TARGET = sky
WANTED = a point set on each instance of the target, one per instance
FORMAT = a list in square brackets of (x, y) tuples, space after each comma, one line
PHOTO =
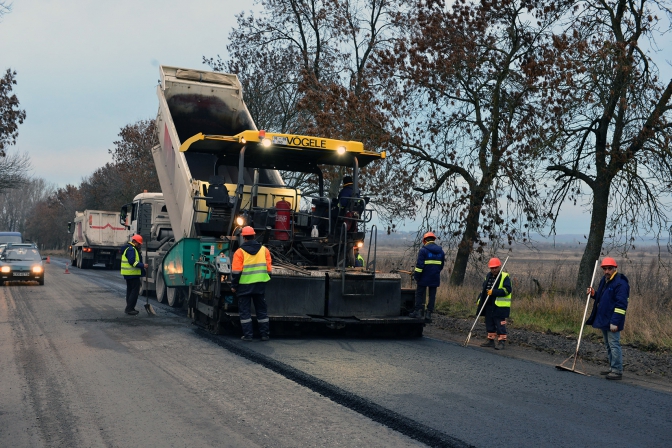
[(86, 68)]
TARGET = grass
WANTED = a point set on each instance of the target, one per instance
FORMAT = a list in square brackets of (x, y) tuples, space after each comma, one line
[(544, 298)]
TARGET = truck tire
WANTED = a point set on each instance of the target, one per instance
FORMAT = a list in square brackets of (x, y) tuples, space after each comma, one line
[(174, 297), (41, 281), (143, 283), (160, 285), (79, 259)]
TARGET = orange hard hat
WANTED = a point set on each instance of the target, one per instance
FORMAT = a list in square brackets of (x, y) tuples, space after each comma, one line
[(494, 263), (137, 239), (608, 261), (428, 235), (247, 231)]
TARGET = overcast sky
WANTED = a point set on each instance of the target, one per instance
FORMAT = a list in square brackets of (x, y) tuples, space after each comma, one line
[(87, 68)]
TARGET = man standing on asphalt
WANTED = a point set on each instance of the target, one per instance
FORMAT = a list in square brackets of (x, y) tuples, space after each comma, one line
[(132, 268), (251, 269), (427, 275), (608, 315), (497, 306)]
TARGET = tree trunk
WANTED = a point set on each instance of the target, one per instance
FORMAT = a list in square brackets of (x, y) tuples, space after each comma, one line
[(466, 245), (598, 222)]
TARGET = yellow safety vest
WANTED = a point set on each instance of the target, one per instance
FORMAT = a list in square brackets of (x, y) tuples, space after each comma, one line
[(503, 302), (126, 268), (254, 268)]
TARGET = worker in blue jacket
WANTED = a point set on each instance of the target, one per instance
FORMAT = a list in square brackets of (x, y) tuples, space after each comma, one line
[(427, 275), (133, 269), (608, 315), (495, 299)]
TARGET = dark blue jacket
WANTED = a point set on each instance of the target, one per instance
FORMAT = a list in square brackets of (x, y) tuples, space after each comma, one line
[(611, 301), (130, 255), (491, 309), (429, 265), (345, 196)]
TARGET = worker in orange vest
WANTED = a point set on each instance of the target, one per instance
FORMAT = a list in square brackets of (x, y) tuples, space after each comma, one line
[(251, 269)]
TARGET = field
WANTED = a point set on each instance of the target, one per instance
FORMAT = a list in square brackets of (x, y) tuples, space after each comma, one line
[(544, 298)]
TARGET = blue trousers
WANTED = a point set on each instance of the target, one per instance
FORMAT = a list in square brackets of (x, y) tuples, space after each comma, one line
[(420, 293), (614, 353), (495, 325), (132, 291), (245, 312)]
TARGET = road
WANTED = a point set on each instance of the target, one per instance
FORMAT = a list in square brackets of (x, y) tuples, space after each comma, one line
[(77, 372)]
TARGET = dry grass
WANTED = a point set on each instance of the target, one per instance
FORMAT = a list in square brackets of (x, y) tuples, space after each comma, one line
[(544, 298)]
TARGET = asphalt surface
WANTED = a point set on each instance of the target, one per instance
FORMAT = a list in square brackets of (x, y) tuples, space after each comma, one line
[(76, 371)]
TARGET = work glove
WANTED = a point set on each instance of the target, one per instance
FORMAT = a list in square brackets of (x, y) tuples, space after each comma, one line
[(489, 292), (613, 328), (590, 291)]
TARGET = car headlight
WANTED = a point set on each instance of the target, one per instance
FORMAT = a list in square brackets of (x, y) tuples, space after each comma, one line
[(5, 269), (37, 269)]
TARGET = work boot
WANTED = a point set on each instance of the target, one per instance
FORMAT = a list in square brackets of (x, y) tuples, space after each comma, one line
[(501, 345), (605, 372), (246, 338), (614, 376), (428, 314), (488, 343), (265, 338), (417, 314), (132, 312)]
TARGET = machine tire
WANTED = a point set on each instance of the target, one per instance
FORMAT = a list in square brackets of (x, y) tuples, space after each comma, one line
[(160, 285), (41, 281), (79, 259), (174, 297), (143, 291)]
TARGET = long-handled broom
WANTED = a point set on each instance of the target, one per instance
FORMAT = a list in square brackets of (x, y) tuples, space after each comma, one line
[(149, 308), (578, 341), (484, 303)]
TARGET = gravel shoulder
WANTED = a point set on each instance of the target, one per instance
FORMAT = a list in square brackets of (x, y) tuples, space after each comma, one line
[(641, 368)]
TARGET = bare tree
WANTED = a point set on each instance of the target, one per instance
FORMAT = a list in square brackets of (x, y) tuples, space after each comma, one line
[(14, 169), (305, 66), (18, 203), (132, 162), (469, 126), (615, 115), (47, 223)]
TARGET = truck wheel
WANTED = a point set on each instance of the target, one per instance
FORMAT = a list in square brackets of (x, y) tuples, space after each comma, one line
[(143, 283), (79, 259), (41, 281), (160, 286), (174, 297)]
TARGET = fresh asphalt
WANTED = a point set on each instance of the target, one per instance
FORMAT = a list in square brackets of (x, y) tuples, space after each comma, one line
[(442, 394)]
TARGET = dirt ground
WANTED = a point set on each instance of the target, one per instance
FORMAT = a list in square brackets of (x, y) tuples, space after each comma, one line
[(642, 368)]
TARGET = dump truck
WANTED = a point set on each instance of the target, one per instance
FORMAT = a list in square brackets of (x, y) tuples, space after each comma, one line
[(219, 173), (97, 238)]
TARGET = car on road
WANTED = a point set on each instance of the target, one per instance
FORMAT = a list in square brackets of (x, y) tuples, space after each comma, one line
[(21, 262)]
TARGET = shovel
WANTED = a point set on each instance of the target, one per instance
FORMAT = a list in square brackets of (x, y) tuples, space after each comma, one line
[(149, 308), (578, 342), (485, 303)]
